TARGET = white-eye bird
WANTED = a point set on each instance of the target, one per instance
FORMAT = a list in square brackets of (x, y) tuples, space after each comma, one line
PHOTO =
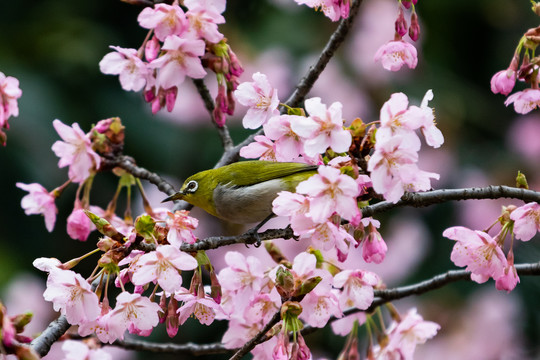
[(242, 192)]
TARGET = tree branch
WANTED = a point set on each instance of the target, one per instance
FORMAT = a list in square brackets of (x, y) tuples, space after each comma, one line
[(42, 344), (423, 199), (254, 341), (223, 131), (189, 348)]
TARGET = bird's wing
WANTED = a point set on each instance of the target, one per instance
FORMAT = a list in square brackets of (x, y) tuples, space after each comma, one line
[(264, 171)]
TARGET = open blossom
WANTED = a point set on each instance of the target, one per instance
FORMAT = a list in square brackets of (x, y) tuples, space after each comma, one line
[(163, 266), (288, 144), (478, 251), (39, 201), (424, 113), (181, 59), (261, 98), (73, 295), (357, 288), (503, 82), (323, 128), (204, 308), (203, 20), (9, 93), (524, 101), (164, 19), (333, 9), (404, 336), (526, 221), (262, 148), (132, 311), (330, 191), (75, 151), (181, 227), (328, 236), (241, 273), (394, 54), (126, 63)]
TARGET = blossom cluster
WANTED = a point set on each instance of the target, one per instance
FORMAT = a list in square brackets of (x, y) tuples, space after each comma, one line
[(182, 44), (9, 93), (397, 52), (333, 9), (524, 67), (483, 255)]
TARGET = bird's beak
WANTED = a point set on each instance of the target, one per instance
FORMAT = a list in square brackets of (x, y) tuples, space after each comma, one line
[(177, 196)]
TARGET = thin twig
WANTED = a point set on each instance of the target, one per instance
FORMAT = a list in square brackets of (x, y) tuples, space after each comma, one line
[(188, 348), (209, 104)]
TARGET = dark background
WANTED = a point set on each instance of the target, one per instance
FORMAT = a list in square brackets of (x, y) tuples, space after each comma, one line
[(53, 47)]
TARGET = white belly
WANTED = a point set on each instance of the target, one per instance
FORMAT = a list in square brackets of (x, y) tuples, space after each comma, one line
[(247, 204)]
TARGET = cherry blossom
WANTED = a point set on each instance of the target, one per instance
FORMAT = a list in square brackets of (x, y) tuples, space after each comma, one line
[(132, 310), (373, 246), (328, 236), (426, 121), (202, 307), (394, 54), (181, 59), (262, 148), (524, 101), (357, 288), (319, 305), (323, 128), (163, 266), (75, 151), (333, 9), (404, 336), (72, 295), (503, 82), (133, 72), (181, 227), (39, 201), (203, 20), (295, 206), (78, 350), (288, 144), (344, 325), (526, 221), (9, 93), (478, 251), (164, 19), (241, 273), (79, 225), (330, 192), (261, 98), (509, 279)]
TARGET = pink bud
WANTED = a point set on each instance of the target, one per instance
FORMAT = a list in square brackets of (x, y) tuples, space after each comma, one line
[(414, 29), (401, 23), (152, 48), (170, 98), (79, 225)]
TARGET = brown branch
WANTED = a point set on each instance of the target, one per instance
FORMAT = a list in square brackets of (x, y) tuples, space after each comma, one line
[(254, 341), (209, 104), (188, 348), (423, 199)]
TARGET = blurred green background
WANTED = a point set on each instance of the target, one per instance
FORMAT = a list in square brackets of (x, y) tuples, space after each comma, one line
[(54, 46)]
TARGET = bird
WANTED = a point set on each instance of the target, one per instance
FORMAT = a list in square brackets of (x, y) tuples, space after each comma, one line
[(242, 192)]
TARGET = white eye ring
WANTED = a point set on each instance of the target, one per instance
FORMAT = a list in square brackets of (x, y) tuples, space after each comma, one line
[(192, 186)]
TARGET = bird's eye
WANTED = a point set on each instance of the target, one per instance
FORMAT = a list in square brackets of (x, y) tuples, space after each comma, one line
[(192, 186)]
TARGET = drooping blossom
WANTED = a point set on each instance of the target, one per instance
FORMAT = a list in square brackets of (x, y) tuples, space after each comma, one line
[(524, 101), (9, 93), (72, 295), (394, 54), (404, 336), (373, 246), (79, 225), (357, 288), (181, 59), (344, 325), (330, 192), (424, 113), (164, 19), (163, 266), (503, 82), (39, 201), (261, 98), (75, 151), (509, 279), (526, 221), (204, 20), (328, 236), (333, 9), (323, 128), (478, 251), (132, 311), (202, 307), (181, 227), (395, 122), (133, 72)]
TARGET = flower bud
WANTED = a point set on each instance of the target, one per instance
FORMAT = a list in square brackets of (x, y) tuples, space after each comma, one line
[(401, 23), (151, 49), (414, 29)]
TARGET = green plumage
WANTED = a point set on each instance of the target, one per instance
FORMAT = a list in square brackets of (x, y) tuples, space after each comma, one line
[(242, 192)]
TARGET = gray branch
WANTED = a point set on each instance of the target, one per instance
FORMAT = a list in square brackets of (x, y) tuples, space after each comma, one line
[(42, 344)]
